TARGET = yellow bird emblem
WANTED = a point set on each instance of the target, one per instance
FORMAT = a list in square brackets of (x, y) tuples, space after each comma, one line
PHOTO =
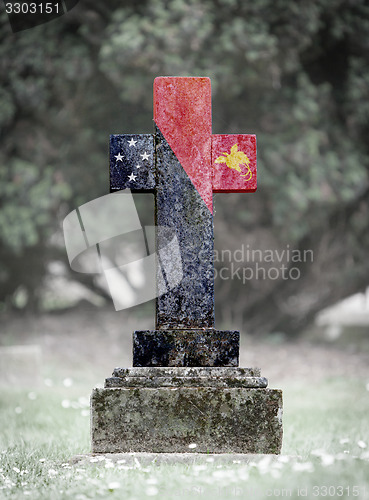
[(234, 160)]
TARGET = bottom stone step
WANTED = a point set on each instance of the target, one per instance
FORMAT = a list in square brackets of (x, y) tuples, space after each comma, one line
[(170, 420)]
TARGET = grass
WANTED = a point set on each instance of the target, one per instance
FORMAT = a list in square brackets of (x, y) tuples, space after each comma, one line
[(325, 451)]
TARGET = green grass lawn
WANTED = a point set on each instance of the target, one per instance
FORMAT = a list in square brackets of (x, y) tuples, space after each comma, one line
[(325, 451)]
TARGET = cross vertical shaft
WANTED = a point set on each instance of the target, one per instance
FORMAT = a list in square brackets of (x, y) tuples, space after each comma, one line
[(182, 114)]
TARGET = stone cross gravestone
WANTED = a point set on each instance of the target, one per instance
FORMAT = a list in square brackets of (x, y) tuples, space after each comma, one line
[(185, 386)]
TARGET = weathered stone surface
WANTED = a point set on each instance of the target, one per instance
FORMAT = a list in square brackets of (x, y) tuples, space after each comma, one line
[(184, 371), (217, 420), (207, 347), (251, 382)]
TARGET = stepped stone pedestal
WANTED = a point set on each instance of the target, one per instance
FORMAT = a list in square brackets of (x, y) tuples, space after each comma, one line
[(220, 410), (166, 409)]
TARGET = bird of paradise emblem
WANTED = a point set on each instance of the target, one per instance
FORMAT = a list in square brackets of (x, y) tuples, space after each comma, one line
[(234, 160)]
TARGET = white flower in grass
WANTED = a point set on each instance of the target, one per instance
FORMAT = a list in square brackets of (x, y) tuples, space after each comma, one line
[(123, 461), (318, 453), (18, 410), (65, 403), (26, 492), (85, 413), (67, 382), (124, 467), (84, 402), (344, 440), (8, 483), (15, 469), (327, 460), (52, 472), (42, 460), (341, 456), (303, 467), (361, 444), (192, 446), (109, 465), (94, 459), (199, 467), (114, 485), (152, 480), (210, 459), (152, 491), (264, 464), (277, 465), (243, 474), (219, 474), (275, 473)]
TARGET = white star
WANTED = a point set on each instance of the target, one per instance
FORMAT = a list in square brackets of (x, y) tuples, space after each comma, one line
[(119, 157), (145, 156), (132, 142), (132, 177), (138, 166)]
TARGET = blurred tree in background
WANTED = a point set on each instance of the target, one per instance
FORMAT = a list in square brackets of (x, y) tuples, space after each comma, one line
[(294, 73)]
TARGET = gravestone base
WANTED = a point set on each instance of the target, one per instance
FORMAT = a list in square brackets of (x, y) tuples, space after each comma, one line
[(186, 347), (166, 410)]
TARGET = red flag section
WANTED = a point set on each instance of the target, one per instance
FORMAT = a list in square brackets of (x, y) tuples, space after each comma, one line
[(182, 111)]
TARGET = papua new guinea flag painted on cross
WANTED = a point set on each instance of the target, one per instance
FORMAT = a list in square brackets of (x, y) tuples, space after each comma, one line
[(187, 165), (182, 113)]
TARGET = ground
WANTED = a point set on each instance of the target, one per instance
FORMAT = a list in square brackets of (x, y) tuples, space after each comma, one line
[(42, 427)]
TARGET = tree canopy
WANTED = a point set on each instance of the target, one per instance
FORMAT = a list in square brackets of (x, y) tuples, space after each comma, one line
[(294, 73)]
